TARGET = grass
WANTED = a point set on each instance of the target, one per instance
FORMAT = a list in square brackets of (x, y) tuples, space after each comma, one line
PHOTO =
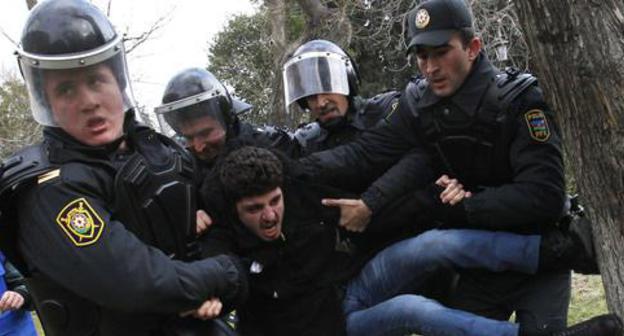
[(588, 299)]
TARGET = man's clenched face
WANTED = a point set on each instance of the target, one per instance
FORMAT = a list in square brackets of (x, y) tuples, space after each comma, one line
[(263, 214)]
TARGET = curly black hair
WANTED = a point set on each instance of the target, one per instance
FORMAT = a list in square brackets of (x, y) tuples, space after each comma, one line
[(250, 171)]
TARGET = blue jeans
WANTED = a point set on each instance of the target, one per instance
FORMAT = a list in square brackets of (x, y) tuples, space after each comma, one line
[(17, 323), (377, 301)]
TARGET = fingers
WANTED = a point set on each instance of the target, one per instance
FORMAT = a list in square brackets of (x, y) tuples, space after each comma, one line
[(3, 302), (443, 181), (187, 313), (338, 202), (209, 309), (203, 221), (11, 301), (453, 193)]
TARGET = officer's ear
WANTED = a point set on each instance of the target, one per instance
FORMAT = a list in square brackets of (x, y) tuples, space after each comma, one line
[(474, 48)]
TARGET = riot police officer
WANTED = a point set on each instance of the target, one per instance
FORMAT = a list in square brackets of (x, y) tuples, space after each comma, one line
[(201, 111), (323, 79), (489, 130), (104, 207)]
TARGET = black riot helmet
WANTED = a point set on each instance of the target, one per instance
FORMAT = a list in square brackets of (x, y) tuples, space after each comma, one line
[(65, 35), (317, 67), (194, 93)]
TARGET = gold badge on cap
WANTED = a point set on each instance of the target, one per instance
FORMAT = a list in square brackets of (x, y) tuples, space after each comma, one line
[(422, 18), (80, 222)]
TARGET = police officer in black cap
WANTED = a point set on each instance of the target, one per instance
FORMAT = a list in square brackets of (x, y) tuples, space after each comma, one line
[(490, 131), (201, 111), (103, 210), (323, 80)]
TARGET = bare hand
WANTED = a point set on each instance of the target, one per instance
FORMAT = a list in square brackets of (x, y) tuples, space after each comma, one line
[(11, 301), (453, 190), (203, 222), (210, 309), (354, 213)]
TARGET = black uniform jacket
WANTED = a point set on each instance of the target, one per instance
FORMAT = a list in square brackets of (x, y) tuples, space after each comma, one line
[(295, 282), (363, 114), (80, 253), (244, 132), (518, 187)]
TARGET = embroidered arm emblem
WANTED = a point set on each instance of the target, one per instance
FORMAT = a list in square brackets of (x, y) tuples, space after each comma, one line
[(82, 225)]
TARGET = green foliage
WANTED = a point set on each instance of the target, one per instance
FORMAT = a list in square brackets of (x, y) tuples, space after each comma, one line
[(17, 127), (240, 56), (378, 47)]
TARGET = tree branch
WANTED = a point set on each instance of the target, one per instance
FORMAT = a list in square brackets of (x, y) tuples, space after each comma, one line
[(315, 11)]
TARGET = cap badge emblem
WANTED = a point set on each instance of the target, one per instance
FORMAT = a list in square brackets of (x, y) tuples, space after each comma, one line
[(422, 18)]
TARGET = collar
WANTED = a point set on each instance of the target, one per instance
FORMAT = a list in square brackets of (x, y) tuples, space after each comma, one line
[(468, 96), (63, 147)]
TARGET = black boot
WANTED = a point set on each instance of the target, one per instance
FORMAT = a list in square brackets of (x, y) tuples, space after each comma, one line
[(569, 247), (603, 325)]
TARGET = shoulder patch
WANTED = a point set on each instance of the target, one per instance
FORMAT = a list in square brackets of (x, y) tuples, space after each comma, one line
[(538, 125), (48, 176), (82, 225)]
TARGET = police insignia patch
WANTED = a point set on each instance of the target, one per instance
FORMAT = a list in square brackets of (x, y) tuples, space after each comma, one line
[(538, 125), (80, 222), (422, 18)]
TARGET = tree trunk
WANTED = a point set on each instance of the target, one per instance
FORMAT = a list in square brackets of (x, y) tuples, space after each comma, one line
[(578, 51), (321, 22), (315, 11), (277, 13), (30, 4)]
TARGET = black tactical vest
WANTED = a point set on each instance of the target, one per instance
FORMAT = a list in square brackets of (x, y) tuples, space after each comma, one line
[(472, 146), (363, 114), (154, 197)]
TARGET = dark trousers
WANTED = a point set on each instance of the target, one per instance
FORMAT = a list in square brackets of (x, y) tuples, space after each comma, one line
[(539, 301)]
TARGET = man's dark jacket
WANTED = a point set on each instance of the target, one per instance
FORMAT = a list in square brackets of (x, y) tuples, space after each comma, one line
[(295, 281)]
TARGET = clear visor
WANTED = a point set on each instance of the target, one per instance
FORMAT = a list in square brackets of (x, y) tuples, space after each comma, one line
[(47, 76), (315, 73), (181, 115)]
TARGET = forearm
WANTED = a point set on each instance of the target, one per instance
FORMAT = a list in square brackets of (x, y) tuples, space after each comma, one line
[(411, 173), (15, 282)]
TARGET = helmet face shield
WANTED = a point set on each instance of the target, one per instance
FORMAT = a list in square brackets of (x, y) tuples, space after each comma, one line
[(177, 115), (36, 68), (315, 73)]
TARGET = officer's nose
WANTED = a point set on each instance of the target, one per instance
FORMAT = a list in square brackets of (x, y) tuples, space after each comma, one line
[(429, 66), (198, 144), (317, 100), (88, 99)]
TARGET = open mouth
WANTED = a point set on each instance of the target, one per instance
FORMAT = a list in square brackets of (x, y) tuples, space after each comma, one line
[(96, 124), (270, 230)]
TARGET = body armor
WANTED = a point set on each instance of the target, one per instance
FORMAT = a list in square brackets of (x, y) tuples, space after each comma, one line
[(474, 145), (364, 114), (146, 186), (157, 174)]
